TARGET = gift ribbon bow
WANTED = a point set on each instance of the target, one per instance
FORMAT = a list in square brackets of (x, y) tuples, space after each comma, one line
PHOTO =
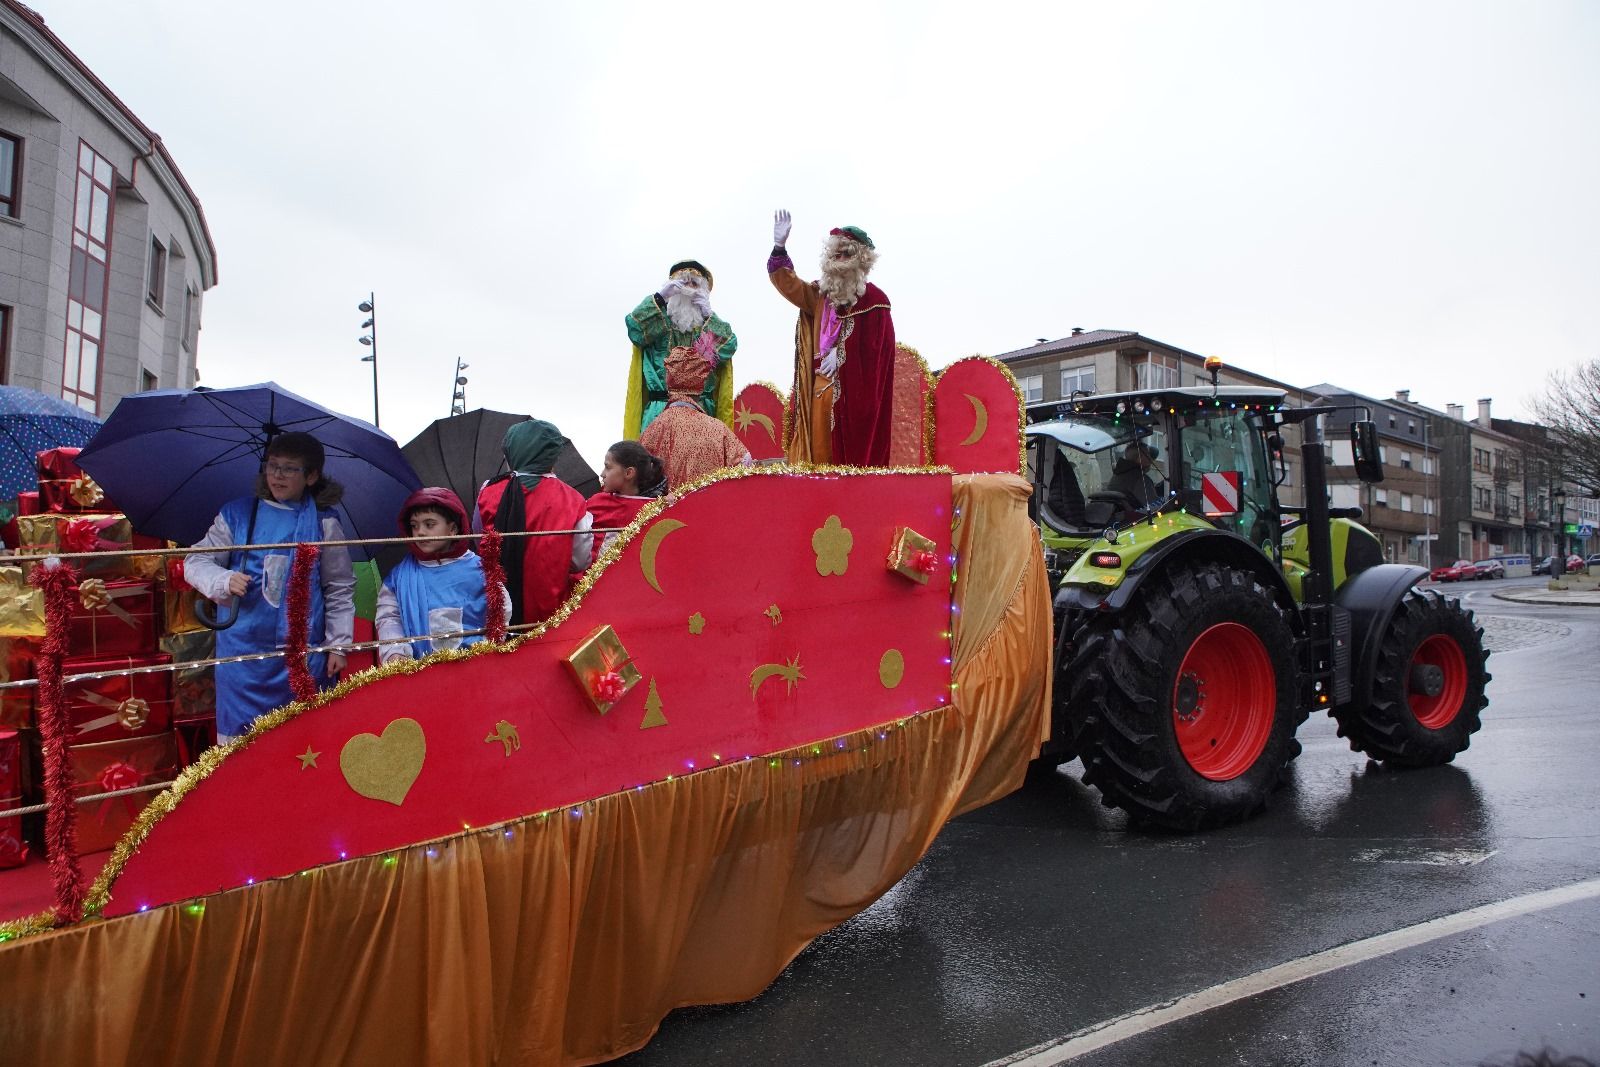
[(609, 687), (80, 535), (925, 562), (94, 596), (84, 492), (130, 713), (117, 776)]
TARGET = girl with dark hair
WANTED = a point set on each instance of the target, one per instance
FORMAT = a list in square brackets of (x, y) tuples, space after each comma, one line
[(293, 503), (629, 479), (538, 570)]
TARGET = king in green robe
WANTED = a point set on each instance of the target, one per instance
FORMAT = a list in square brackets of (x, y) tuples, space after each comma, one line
[(679, 316)]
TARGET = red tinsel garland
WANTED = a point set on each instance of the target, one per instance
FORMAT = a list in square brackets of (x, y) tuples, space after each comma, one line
[(57, 580), (301, 684), (494, 579)]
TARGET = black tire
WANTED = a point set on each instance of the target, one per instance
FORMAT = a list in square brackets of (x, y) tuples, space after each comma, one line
[(1122, 704), (1389, 728)]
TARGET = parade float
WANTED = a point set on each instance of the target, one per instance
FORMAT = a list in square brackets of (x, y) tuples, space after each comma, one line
[(748, 721)]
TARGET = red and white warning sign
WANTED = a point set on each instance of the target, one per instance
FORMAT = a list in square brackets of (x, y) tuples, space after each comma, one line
[(1220, 492)]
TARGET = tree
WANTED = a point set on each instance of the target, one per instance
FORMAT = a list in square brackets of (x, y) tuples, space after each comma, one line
[(1570, 407)]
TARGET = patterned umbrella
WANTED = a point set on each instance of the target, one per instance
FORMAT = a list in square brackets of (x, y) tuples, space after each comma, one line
[(31, 422), (171, 458)]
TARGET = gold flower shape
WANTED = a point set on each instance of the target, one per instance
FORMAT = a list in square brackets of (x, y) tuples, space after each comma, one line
[(832, 545), (697, 623)]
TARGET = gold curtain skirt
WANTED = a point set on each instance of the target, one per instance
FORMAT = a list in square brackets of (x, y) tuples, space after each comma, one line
[(564, 938)]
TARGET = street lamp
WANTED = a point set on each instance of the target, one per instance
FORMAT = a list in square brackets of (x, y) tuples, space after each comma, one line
[(1558, 505), (369, 307), (458, 389)]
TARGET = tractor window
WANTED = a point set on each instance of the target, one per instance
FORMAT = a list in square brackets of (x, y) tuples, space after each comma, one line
[(1214, 444), (1085, 475)]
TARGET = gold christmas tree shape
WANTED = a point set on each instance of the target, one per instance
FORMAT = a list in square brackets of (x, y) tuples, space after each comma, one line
[(832, 544), (652, 709), (384, 768)]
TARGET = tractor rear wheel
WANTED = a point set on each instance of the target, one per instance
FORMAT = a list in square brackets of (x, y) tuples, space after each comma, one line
[(1427, 689), (1183, 705)]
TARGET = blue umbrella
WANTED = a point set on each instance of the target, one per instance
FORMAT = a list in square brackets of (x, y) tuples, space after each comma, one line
[(31, 422), (171, 458)]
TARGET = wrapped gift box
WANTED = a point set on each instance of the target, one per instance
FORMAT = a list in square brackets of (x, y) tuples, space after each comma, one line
[(114, 765), (13, 849), (10, 763), (194, 689), (602, 668), (180, 598), (194, 737), (112, 617), (121, 706), (16, 663), (64, 487), (28, 502), (21, 605), (57, 532)]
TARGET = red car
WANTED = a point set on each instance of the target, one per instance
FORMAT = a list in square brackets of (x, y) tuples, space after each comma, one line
[(1455, 572)]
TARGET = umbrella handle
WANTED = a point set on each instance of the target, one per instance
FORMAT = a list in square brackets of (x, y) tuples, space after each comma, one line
[(213, 617)]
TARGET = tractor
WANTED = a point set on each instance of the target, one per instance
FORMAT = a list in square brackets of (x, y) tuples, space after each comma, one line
[(1199, 620)]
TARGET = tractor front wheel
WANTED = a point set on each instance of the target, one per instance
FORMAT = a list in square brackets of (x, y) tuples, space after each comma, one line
[(1427, 688), (1183, 705)]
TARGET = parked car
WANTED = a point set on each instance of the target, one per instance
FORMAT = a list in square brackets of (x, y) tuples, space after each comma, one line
[(1488, 568), (1542, 566), (1455, 572), (1594, 561)]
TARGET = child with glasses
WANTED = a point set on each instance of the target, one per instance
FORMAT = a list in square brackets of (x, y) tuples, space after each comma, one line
[(293, 503)]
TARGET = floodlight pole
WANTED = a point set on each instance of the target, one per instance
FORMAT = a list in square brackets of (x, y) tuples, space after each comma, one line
[(370, 306)]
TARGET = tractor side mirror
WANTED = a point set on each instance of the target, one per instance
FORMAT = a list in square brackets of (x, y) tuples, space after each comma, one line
[(1364, 447)]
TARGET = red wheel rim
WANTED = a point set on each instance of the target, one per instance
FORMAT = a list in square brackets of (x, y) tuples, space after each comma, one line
[(1223, 702), (1441, 652)]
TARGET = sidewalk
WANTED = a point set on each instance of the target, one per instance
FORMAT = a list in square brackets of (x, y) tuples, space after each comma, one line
[(1581, 591)]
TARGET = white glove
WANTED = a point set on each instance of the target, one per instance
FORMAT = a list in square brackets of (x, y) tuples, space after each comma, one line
[(666, 291), (702, 302), (780, 228), (830, 362)]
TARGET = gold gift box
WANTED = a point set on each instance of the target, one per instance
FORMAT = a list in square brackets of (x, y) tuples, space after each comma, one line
[(599, 654), (41, 534), (21, 605), (903, 555)]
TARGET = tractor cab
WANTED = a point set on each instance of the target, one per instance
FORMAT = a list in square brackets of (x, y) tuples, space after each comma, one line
[(1100, 462)]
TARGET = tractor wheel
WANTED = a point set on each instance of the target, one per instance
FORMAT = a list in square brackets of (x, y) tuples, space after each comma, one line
[(1183, 705), (1427, 690)]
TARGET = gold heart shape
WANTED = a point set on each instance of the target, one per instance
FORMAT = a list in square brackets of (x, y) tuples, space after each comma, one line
[(384, 768)]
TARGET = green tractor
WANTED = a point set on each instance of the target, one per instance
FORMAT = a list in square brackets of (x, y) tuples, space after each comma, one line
[(1199, 620)]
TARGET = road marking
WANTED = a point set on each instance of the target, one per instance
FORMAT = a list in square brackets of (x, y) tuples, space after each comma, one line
[(1109, 1032), (1448, 857)]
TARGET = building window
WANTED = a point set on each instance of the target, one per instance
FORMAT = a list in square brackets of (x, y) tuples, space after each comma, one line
[(5, 344), (1393, 422), (1427, 464), (1405, 460), (10, 175), (87, 279), (1427, 505), (147, 380), (1516, 503), (1156, 372), (158, 271), (1480, 459), (1405, 501), (1380, 498), (1481, 499), (1032, 385), (1078, 379)]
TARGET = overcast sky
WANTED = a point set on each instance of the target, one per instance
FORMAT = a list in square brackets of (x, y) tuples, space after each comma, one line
[(1386, 195)]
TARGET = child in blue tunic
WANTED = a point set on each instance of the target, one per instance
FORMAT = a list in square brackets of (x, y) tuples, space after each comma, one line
[(437, 591), (293, 503)]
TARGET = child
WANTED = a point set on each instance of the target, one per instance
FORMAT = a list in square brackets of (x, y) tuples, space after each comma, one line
[(292, 503), (538, 570), (629, 479), (438, 589)]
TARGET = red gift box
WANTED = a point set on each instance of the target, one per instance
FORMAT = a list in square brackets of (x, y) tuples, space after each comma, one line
[(121, 706), (64, 487), (13, 849), (115, 765), (10, 764), (194, 737), (116, 616), (16, 663), (28, 502)]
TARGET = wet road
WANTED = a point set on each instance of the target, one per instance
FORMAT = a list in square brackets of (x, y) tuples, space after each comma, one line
[(1041, 918)]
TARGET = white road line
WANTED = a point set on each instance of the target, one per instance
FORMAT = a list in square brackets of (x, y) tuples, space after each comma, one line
[(1109, 1032)]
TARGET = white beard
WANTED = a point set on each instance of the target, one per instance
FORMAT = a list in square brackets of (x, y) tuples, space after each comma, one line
[(681, 310), (843, 284)]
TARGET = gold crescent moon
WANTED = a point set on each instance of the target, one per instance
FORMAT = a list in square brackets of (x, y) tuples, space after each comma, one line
[(651, 544), (980, 421)]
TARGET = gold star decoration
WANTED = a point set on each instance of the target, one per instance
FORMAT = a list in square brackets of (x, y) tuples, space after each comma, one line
[(308, 758), (790, 673), (774, 613), (831, 542), (697, 624), (744, 418)]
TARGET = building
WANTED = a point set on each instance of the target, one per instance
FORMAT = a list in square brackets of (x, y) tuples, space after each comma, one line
[(1403, 509), (105, 257), (1115, 361)]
